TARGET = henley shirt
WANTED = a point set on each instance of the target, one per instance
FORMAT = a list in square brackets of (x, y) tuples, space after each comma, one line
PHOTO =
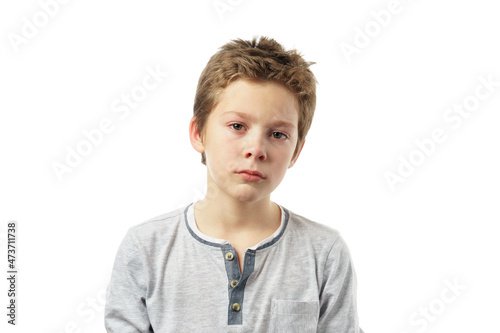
[(170, 277)]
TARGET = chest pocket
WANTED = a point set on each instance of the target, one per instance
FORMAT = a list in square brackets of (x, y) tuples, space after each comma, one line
[(294, 316)]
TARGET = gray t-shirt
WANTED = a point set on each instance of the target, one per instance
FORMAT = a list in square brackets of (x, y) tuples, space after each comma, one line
[(169, 277)]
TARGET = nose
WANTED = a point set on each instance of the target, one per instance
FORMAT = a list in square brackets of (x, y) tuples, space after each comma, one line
[(256, 148)]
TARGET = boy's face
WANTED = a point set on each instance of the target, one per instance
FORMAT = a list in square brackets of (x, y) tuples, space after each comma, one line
[(254, 127)]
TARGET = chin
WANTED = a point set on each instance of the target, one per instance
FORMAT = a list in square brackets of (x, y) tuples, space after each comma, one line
[(248, 196)]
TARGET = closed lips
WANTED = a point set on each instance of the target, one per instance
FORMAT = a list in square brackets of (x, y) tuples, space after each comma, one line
[(252, 172)]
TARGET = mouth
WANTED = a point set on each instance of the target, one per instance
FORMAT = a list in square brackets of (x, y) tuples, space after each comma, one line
[(251, 175)]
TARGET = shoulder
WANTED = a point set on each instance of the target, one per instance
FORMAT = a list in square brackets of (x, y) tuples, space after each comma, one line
[(158, 229), (308, 228), (315, 235)]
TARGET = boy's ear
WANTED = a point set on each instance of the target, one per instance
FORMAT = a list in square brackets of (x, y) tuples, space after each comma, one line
[(296, 157), (195, 136)]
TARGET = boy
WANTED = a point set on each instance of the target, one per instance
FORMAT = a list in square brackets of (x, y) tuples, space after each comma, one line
[(236, 261)]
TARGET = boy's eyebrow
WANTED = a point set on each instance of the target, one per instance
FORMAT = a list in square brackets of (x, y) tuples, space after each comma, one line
[(281, 123)]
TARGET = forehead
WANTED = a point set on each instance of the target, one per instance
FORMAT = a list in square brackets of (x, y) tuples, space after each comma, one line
[(268, 99)]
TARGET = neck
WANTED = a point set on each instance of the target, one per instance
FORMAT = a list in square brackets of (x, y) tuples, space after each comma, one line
[(222, 216)]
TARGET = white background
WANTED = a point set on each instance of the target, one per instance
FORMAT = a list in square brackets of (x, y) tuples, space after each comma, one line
[(437, 226)]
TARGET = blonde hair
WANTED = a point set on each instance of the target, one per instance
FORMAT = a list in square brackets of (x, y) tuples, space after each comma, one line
[(262, 59)]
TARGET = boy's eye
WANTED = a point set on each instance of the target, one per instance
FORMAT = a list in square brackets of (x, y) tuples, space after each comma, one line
[(237, 126), (279, 135), (276, 135)]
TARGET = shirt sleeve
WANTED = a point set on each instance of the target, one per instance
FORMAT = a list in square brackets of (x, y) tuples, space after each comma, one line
[(126, 310), (338, 309)]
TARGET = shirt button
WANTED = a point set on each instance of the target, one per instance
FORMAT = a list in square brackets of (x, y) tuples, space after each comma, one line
[(234, 283), (229, 256), (236, 307)]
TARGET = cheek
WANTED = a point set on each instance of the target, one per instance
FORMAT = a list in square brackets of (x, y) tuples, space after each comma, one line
[(219, 144), (224, 152), (229, 145)]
